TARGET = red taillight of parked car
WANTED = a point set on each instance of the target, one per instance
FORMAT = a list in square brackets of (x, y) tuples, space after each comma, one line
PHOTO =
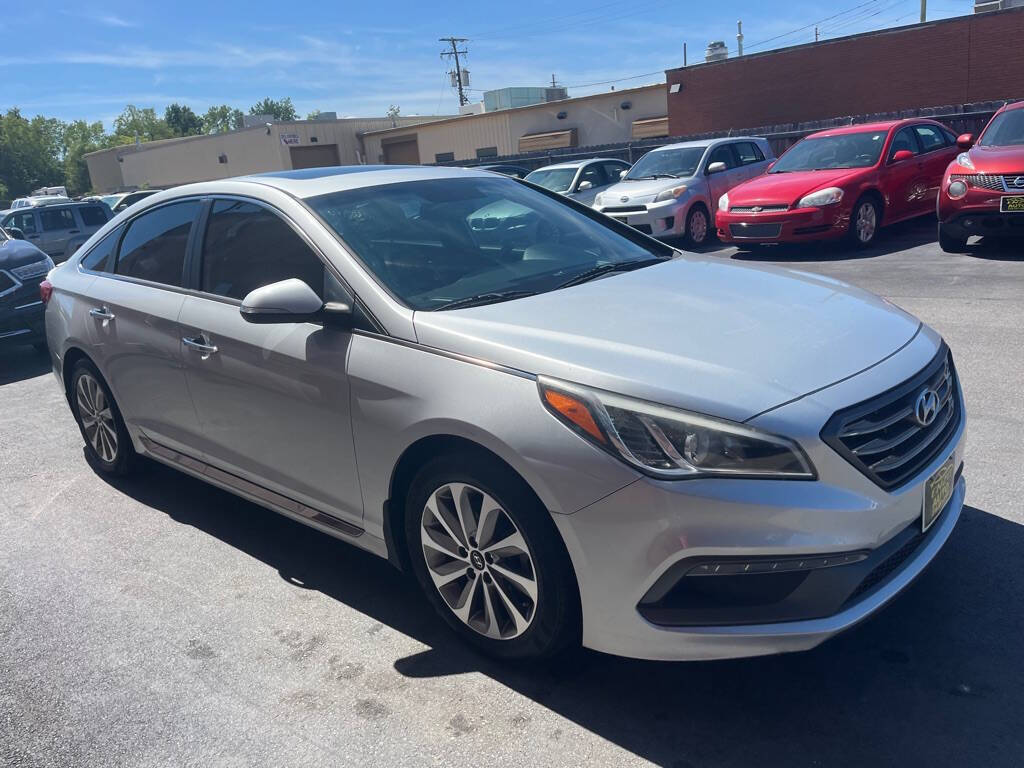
[(45, 291)]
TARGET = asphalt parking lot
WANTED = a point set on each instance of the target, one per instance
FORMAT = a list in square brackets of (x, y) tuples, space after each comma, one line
[(158, 621)]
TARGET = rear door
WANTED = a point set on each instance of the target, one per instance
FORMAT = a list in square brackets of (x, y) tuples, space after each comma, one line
[(273, 400), (904, 181), (751, 159), (58, 226), (721, 182), (936, 154), (133, 321)]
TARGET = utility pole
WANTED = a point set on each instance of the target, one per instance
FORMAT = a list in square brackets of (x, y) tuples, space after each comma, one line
[(454, 43), (554, 83), (924, 11), (815, 34)]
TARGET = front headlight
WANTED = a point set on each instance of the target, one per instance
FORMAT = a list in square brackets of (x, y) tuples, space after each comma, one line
[(670, 194), (827, 196), (723, 202), (599, 199), (670, 443), (964, 161), (35, 269)]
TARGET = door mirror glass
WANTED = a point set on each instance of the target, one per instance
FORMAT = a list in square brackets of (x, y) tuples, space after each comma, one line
[(965, 140), (14, 232), (901, 155), (292, 301), (717, 167), (584, 185)]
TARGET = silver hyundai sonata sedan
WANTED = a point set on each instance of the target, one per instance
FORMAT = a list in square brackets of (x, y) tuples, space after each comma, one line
[(565, 430)]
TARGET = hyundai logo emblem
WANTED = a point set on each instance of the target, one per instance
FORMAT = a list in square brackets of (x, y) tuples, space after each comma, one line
[(927, 407), (1018, 182)]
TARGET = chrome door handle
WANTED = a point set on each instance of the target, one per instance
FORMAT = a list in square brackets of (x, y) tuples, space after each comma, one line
[(198, 344), (102, 313)]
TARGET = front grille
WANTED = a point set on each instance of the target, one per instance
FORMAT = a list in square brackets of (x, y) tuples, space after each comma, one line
[(758, 208), (625, 209), (755, 230), (882, 436), (645, 228), (996, 183)]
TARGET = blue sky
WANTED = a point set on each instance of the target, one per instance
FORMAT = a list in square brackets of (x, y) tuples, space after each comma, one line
[(87, 60)]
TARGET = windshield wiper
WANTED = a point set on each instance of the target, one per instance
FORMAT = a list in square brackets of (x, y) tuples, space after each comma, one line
[(652, 176), (491, 297), (605, 269)]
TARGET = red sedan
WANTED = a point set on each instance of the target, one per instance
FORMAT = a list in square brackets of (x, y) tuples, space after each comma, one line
[(843, 182), (983, 190)]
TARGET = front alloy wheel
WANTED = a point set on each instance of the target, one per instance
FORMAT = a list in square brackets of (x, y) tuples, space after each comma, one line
[(479, 561), (864, 225)]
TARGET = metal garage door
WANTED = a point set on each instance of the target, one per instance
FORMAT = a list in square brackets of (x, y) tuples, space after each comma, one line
[(402, 152), (316, 156)]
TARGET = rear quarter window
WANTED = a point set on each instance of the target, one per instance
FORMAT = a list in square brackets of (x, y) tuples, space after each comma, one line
[(53, 220), (93, 215)]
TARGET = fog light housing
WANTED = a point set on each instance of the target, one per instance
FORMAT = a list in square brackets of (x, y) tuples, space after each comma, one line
[(957, 189)]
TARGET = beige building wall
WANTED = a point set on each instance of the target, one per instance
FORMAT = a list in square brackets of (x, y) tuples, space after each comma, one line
[(251, 150), (598, 119)]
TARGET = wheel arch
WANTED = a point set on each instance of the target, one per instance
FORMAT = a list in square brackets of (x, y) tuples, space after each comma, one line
[(874, 193)]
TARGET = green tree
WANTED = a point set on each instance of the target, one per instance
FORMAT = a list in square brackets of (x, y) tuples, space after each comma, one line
[(30, 152), (80, 138), (182, 120), (281, 109), (142, 124), (222, 119), (313, 115)]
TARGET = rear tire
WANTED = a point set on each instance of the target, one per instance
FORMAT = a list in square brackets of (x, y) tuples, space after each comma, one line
[(512, 593), (108, 446), (950, 243), (698, 226), (864, 223)]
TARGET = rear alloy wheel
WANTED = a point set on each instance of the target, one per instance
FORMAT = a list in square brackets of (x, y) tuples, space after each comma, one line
[(698, 227), (107, 444), (950, 243), (489, 558), (864, 222)]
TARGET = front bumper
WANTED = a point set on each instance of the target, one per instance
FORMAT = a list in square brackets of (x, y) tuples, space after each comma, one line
[(631, 548), (977, 213), (664, 219), (793, 225)]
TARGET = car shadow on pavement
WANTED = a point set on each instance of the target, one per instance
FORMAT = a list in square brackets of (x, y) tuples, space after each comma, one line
[(899, 237), (996, 249), (935, 679), (22, 362)]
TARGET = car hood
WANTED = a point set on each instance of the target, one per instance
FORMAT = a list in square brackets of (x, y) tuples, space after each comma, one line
[(997, 160), (710, 336), (787, 188), (14, 253), (640, 191)]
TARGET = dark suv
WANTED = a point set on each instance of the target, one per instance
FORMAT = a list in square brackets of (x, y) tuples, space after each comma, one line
[(57, 228), (22, 268)]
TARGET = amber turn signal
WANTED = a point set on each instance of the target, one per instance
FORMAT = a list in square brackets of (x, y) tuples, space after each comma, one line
[(575, 411)]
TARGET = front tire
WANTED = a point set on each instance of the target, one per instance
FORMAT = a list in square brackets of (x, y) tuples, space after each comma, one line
[(489, 559), (950, 243), (108, 446), (864, 223), (698, 226)]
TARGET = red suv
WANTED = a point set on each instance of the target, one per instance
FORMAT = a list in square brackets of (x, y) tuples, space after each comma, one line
[(843, 182), (983, 190)]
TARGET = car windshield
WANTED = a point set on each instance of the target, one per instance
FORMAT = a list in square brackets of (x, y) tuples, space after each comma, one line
[(1006, 130), (555, 179), (847, 150), (111, 200), (436, 242), (667, 163)]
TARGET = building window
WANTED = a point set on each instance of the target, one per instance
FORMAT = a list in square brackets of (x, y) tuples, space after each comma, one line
[(446, 157), (487, 152)]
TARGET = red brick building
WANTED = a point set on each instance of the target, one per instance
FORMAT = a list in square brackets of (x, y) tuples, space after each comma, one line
[(955, 61)]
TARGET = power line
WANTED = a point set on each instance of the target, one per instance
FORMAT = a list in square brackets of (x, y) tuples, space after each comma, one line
[(811, 25)]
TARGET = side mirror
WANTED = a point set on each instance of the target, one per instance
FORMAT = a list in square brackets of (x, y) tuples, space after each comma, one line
[(15, 233), (901, 155), (292, 301), (622, 174), (770, 165), (965, 140), (583, 186), (716, 167)]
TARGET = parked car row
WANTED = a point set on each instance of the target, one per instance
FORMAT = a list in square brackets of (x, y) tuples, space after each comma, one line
[(841, 183)]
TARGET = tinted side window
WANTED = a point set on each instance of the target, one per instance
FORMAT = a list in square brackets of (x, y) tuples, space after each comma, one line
[(930, 138), (594, 173), (100, 257), (61, 218), (26, 222), (905, 139), (723, 154), (93, 215), (748, 152), (614, 171), (248, 246), (155, 244)]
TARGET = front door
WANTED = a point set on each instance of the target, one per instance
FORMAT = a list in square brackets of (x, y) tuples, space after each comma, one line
[(133, 322), (906, 185), (273, 400)]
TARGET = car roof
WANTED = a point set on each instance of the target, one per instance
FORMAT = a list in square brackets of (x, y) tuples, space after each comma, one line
[(705, 143), (1012, 106), (884, 125), (310, 182), (579, 163)]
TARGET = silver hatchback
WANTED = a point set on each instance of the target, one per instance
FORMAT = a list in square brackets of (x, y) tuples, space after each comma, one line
[(566, 430)]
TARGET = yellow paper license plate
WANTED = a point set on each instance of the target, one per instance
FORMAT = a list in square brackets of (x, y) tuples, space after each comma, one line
[(937, 492), (1013, 204)]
